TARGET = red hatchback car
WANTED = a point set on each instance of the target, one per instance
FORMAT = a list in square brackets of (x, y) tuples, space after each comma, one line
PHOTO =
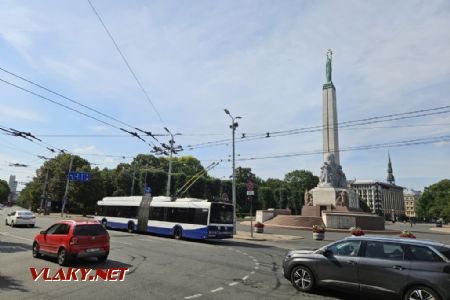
[(69, 240)]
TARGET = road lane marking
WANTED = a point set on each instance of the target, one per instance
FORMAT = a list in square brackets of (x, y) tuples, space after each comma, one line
[(256, 268), (121, 243), (216, 290), (252, 272), (193, 296), (245, 277), (233, 283)]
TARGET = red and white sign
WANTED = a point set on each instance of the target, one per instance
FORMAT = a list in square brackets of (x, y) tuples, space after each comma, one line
[(79, 274)]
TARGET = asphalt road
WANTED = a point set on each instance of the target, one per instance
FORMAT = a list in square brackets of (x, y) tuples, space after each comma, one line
[(162, 268)]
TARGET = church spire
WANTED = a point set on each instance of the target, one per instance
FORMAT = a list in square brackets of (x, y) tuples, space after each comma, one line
[(390, 177)]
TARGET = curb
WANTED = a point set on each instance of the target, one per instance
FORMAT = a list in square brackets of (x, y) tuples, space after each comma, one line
[(328, 229)]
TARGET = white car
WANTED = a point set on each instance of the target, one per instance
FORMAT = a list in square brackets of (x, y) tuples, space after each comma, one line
[(20, 217)]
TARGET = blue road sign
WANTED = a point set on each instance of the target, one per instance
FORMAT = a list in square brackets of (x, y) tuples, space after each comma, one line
[(148, 190), (79, 176)]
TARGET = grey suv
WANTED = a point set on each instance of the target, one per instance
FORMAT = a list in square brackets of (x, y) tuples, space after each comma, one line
[(410, 268)]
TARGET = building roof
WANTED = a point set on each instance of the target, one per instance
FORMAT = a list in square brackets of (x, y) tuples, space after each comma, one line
[(374, 182), (411, 192)]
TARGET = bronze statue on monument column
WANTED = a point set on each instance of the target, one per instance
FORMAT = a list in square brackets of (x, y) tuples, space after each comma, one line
[(328, 66)]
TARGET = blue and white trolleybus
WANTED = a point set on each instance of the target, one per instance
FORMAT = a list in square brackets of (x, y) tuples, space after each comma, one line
[(183, 218)]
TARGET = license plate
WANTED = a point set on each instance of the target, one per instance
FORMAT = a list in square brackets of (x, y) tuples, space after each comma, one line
[(92, 250)]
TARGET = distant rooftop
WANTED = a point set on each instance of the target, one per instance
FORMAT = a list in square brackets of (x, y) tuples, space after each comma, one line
[(371, 181)]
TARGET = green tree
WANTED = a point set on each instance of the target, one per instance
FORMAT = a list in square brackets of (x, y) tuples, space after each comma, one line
[(57, 169), (4, 191), (281, 197), (85, 194), (266, 197), (30, 195), (244, 175), (212, 188), (363, 205), (297, 182), (435, 201)]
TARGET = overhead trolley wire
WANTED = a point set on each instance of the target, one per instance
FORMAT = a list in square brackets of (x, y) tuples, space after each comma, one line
[(346, 124), (126, 62)]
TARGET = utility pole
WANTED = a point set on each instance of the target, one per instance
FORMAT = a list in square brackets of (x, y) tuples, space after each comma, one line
[(172, 150), (145, 180), (64, 201), (43, 199), (169, 176), (132, 182), (233, 127)]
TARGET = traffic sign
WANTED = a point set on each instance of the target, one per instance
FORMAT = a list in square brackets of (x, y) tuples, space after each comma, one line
[(79, 176), (148, 190), (250, 193), (250, 186)]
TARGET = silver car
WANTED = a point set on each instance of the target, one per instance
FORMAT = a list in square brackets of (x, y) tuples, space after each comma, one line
[(413, 269), (21, 217)]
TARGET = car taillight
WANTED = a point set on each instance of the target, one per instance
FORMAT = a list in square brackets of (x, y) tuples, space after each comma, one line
[(74, 240)]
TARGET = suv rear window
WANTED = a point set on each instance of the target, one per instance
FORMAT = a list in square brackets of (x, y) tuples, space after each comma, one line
[(421, 253), (91, 229), (445, 251)]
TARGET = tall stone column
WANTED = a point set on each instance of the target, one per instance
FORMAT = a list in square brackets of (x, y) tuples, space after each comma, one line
[(330, 123), (329, 116)]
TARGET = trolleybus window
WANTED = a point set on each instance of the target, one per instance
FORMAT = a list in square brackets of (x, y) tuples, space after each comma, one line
[(221, 214), (120, 211)]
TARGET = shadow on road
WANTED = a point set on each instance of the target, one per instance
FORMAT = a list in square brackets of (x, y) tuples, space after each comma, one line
[(7, 247), (9, 283), (90, 263), (345, 295)]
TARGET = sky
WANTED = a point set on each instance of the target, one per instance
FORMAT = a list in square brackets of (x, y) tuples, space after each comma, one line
[(262, 60)]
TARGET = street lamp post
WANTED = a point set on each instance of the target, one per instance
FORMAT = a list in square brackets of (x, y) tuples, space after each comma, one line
[(233, 127)]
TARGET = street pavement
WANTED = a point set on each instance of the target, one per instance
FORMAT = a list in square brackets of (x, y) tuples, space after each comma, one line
[(164, 268)]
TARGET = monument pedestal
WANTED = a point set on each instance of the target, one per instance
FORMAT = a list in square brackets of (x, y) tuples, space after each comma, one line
[(336, 197)]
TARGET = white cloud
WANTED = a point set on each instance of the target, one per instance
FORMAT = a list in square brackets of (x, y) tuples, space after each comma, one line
[(7, 112)]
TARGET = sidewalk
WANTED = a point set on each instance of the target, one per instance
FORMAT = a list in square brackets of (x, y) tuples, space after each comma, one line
[(246, 235), (387, 231), (65, 216), (444, 229)]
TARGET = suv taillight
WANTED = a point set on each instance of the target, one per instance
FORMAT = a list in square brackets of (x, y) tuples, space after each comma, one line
[(74, 240)]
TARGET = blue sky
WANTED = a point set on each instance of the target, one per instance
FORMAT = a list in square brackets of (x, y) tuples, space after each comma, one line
[(263, 60)]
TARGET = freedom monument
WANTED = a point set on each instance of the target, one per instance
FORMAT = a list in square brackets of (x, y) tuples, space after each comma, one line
[(331, 202), (332, 199)]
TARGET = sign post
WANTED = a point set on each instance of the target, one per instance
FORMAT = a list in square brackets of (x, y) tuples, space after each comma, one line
[(250, 193)]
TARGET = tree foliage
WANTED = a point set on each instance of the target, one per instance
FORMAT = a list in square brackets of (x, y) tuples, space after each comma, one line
[(435, 201), (4, 191), (148, 170)]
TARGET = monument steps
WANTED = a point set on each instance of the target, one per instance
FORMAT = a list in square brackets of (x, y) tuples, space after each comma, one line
[(295, 221)]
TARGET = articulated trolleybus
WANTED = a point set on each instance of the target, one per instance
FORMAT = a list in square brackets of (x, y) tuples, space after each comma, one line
[(183, 218)]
